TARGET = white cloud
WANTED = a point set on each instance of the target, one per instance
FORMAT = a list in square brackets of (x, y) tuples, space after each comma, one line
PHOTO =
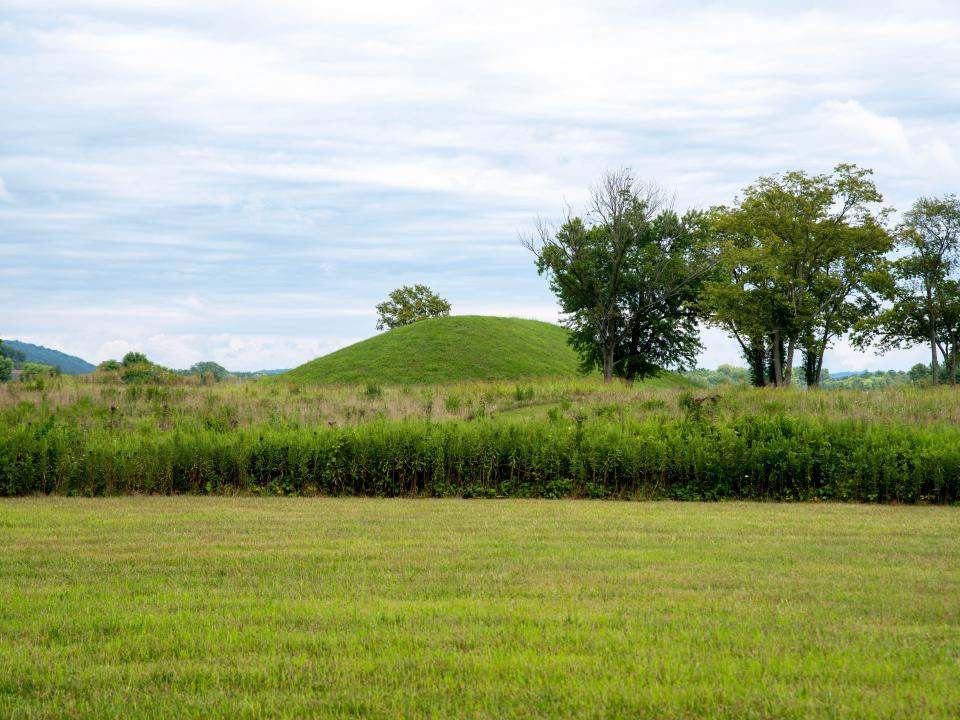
[(884, 136), (884, 142), (5, 195), (286, 165)]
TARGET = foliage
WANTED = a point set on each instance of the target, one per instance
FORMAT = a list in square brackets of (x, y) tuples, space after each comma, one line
[(135, 368), (6, 368), (921, 292), (208, 371), (798, 252), (408, 305), (728, 375), (134, 358), (723, 375), (627, 276), (15, 356), (737, 445), (32, 372), (867, 380)]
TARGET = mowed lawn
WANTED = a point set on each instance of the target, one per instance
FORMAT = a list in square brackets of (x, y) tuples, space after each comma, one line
[(248, 607)]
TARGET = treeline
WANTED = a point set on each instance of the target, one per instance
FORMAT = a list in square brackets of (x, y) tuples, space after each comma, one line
[(756, 457), (13, 359), (136, 368), (919, 375), (794, 263)]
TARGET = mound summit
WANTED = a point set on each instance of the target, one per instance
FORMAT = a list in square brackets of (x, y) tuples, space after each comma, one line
[(448, 349)]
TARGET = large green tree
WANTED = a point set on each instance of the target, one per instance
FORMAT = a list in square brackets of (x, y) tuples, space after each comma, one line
[(921, 299), (627, 274), (797, 251)]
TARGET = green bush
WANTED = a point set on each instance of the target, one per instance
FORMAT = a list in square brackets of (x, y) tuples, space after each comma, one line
[(134, 358), (755, 457), (36, 372)]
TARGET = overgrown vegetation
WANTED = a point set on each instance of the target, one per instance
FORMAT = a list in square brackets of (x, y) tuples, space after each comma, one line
[(577, 438)]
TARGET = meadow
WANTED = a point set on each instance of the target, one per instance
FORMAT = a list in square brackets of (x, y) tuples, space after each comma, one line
[(538, 438), (294, 607)]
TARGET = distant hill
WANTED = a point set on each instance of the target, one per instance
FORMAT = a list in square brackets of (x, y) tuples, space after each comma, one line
[(68, 364), (448, 349)]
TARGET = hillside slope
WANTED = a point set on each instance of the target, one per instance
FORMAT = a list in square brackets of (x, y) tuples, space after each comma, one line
[(68, 364), (448, 349)]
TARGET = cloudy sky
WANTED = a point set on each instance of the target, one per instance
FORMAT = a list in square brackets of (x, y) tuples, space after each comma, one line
[(243, 181)]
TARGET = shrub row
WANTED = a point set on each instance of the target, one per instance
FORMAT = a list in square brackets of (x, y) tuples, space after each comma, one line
[(778, 458)]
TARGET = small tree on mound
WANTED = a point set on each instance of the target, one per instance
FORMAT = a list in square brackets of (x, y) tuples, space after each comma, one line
[(134, 358), (409, 304)]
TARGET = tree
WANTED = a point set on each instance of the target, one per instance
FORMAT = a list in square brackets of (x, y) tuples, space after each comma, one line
[(6, 368), (407, 305), (33, 372), (921, 296), (17, 357), (134, 358), (797, 253), (208, 370), (627, 275)]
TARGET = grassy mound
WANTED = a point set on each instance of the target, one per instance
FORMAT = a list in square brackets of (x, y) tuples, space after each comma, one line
[(449, 349)]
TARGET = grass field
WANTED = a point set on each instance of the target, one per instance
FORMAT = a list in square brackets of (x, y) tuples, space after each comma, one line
[(257, 607), (448, 349)]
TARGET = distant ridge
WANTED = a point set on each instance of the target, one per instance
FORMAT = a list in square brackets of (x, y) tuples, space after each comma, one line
[(68, 364)]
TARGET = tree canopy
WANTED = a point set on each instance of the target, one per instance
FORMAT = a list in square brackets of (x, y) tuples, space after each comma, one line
[(797, 251), (920, 295), (627, 274), (407, 305)]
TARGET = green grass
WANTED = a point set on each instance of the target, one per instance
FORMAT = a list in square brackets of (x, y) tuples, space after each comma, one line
[(539, 438), (448, 349), (243, 607)]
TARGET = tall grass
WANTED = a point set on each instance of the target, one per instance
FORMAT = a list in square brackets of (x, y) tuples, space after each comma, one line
[(190, 408), (761, 457)]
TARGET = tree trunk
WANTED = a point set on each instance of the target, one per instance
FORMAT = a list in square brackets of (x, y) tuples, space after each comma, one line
[(755, 355), (788, 371), (934, 365), (818, 369), (820, 352), (629, 364), (607, 364), (777, 363)]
